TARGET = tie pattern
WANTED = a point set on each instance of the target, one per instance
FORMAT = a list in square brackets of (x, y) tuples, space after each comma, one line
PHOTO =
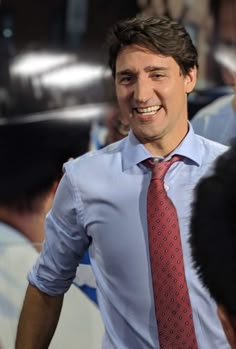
[(172, 303)]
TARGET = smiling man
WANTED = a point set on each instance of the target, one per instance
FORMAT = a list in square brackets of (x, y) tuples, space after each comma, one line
[(130, 204), (152, 92)]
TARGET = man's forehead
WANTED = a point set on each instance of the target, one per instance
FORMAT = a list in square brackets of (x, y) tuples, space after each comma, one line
[(131, 56)]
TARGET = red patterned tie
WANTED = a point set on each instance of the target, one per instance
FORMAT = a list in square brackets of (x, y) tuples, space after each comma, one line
[(172, 304)]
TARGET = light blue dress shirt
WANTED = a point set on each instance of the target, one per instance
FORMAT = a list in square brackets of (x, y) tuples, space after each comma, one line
[(101, 203), (216, 121)]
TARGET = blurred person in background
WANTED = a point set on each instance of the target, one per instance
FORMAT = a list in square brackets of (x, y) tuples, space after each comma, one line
[(32, 155), (76, 22), (213, 238), (102, 203), (108, 130), (116, 130), (217, 121)]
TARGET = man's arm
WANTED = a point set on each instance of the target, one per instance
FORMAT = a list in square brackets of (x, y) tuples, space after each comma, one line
[(38, 319)]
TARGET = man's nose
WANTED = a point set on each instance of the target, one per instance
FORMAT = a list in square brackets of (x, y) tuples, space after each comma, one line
[(142, 91)]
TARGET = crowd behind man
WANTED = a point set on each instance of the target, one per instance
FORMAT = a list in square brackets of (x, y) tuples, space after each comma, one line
[(217, 121)]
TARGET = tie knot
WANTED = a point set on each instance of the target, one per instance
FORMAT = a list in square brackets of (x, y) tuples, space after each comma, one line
[(159, 168)]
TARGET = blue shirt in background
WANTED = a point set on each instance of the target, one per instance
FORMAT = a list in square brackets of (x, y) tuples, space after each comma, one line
[(216, 121)]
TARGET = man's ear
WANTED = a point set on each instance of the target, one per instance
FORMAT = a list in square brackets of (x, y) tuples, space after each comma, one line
[(190, 80), (227, 325)]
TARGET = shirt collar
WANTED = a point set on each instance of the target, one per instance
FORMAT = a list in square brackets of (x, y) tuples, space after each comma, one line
[(134, 152)]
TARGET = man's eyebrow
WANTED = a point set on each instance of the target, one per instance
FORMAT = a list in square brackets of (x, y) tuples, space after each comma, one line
[(124, 72), (152, 68), (148, 69)]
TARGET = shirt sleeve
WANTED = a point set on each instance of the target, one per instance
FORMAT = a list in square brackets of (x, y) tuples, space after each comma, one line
[(65, 242)]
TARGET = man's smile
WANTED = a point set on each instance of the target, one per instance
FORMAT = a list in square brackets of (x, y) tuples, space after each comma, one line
[(148, 110)]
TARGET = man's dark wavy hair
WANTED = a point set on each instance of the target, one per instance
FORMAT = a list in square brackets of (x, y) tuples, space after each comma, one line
[(158, 34), (213, 230)]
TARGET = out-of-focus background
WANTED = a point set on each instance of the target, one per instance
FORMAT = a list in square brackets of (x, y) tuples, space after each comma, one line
[(52, 52)]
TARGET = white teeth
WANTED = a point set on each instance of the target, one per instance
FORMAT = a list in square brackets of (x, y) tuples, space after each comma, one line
[(148, 109)]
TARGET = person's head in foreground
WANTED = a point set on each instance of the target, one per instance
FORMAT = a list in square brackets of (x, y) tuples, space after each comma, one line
[(213, 238), (154, 64), (32, 154)]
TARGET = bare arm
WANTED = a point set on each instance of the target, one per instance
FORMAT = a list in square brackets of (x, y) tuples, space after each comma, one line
[(38, 319)]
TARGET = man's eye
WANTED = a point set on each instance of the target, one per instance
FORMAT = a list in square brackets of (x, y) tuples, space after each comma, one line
[(125, 79), (157, 76)]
